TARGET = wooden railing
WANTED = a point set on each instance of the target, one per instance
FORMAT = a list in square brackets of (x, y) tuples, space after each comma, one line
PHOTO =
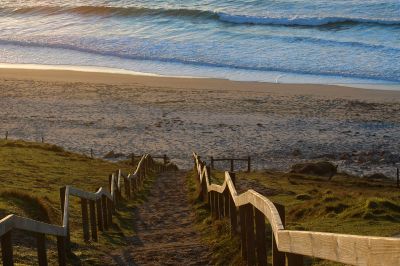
[(247, 213), (231, 160), (101, 204)]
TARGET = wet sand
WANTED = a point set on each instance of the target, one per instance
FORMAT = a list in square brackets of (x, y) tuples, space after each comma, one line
[(277, 124)]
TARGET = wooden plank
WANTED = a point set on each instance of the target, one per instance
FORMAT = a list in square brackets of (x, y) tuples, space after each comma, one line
[(260, 238), (93, 222), (7, 249), (250, 238), (41, 249)]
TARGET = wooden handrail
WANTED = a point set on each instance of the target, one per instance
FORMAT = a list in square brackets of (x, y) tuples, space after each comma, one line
[(104, 200), (343, 248)]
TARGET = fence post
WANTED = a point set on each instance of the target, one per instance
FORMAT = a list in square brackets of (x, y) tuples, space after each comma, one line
[(294, 259), (248, 164), (85, 219), (99, 214), (93, 223), (62, 252), (111, 207), (133, 159), (212, 162), (226, 196), (233, 216), (398, 177), (41, 249), (278, 258), (231, 165), (260, 238), (62, 201), (221, 213), (42, 139), (165, 159), (242, 214), (6, 135), (7, 249), (104, 211), (250, 239), (215, 204), (91, 153)]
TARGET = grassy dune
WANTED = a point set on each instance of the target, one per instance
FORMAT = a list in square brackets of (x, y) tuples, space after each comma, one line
[(345, 204), (31, 175)]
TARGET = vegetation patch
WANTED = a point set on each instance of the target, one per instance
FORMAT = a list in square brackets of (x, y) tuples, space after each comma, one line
[(32, 174), (215, 233)]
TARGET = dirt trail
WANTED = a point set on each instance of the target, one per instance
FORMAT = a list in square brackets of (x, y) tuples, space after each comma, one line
[(165, 226)]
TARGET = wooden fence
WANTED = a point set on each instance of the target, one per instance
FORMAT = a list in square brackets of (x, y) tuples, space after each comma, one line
[(232, 160), (98, 217), (247, 213)]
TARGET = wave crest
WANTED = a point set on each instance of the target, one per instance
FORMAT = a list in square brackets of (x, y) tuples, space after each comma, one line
[(195, 13)]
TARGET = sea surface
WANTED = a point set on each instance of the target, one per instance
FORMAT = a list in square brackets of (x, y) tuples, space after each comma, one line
[(305, 41)]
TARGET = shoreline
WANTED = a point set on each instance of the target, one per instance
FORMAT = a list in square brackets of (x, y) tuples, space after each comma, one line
[(112, 76)]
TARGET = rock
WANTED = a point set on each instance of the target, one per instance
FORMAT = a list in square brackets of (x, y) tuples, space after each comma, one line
[(296, 152), (377, 176), (323, 168), (113, 155)]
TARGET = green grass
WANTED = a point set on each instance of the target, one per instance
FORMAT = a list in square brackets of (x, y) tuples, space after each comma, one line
[(215, 233), (346, 204), (31, 175)]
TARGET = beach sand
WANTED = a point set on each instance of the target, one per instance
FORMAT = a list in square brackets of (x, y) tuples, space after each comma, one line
[(276, 124)]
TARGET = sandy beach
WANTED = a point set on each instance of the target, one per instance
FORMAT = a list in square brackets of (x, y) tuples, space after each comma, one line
[(276, 124)]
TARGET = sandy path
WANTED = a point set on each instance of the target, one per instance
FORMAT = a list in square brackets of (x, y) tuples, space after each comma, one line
[(165, 226)]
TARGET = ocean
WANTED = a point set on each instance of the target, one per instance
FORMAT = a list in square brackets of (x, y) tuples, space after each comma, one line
[(284, 41)]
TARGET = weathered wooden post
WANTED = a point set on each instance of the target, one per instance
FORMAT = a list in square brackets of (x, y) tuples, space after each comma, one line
[(226, 196), (242, 216), (104, 211), (232, 165), (42, 139), (91, 153), (221, 213), (248, 164), (165, 159), (93, 223), (132, 159), (233, 177), (278, 258), (62, 251), (7, 249), (6, 135), (212, 162), (41, 249), (111, 208), (99, 215), (260, 238), (233, 211), (250, 239), (62, 201), (85, 220)]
